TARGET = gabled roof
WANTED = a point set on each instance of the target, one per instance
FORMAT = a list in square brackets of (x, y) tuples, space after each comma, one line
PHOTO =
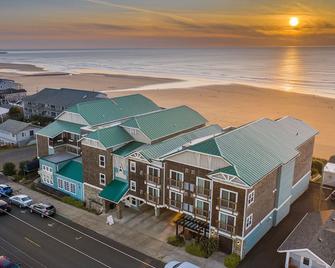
[(315, 232), (114, 191), (227, 170), (108, 110), (255, 149), (111, 136), (73, 170), (14, 127), (65, 97), (129, 148), (167, 122), (55, 128), (160, 149)]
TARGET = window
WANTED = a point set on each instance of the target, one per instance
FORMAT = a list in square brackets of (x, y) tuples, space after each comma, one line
[(31, 133), (133, 186), (102, 161), (227, 222), (60, 184), (154, 172), (67, 186), (228, 199), (248, 222), (133, 166), (176, 178), (23, 134), (305, 261), (175, 199), (201, 208), (153, 194), (203, 187), (251, 197), (72, 188), (102, 179), (188, 207)]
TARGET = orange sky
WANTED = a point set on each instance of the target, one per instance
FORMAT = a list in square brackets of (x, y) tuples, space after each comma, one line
[(156, 23)]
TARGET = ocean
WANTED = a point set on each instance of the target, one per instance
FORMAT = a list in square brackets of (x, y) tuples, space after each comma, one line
[(297, 69)]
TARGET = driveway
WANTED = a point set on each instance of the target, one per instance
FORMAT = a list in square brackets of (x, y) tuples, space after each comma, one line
[(265, 251), (17, 155)]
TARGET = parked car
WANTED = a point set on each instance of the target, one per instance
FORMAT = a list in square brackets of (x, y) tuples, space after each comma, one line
[(20, 200), (5, 190), (43, 209), (5, 262), (177, 264), (4, 207)]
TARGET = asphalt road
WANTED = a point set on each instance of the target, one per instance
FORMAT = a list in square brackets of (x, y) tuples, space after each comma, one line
[(56, 242), (17, 155)]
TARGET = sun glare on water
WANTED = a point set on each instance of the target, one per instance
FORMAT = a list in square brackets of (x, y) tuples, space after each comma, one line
[(294, 21)]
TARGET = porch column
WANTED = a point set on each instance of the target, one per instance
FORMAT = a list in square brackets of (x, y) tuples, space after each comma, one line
[(157, 211), (287, 259), (118, 211)]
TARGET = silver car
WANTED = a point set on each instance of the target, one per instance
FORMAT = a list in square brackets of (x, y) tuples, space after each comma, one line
[(20, 200), (44, 210)]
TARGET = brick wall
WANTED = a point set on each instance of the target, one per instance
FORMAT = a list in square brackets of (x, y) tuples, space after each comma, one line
[(42, 146), (303, 162)]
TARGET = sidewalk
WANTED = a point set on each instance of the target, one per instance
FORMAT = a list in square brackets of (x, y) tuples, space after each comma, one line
[(132, 237)]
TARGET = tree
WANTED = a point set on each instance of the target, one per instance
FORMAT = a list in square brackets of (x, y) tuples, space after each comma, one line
[(9, 169), (15, 113)]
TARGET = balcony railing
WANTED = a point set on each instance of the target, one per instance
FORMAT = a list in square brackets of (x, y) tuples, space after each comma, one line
[(153, 198), (227, 204), (227, 228), (175, 203), (175, 183), (153, 179), (200, 212), (206, 192)]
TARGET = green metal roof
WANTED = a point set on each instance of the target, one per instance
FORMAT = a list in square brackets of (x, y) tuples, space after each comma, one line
[(107, 110), (72, 170), (128, 149), (111, 136), (155, 151), (167, 122), (55, 128), (114, 191), (227, 170), (254, 149)]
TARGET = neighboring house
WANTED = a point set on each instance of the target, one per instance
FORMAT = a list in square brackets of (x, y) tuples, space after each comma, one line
[(3, 114), (312, 242), (6, 84), (328, 177), (233, 183), (51, 102), (11, 95), (17, 133)]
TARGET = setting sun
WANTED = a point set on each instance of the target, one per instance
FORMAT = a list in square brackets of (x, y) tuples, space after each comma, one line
[(294, 21)]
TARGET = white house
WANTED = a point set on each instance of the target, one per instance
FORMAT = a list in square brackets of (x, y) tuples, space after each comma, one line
[(3, 114), (328, 178), (17, 133), (312, 243)]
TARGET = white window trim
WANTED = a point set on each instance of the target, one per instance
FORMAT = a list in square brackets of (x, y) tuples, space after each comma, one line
[(230, 215), (152, 167), (247, 220), (175, 171), (132, 165), (204, 201), (104, 161), (132, 185), (103, 184), (201, 178), (175, 192), (251, 196), (226, 190), (154, 188)]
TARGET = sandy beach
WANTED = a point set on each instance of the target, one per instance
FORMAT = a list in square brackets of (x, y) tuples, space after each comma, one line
[(227, 105)]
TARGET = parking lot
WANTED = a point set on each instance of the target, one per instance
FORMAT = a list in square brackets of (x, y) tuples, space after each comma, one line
[(17, 155), (265, 251)]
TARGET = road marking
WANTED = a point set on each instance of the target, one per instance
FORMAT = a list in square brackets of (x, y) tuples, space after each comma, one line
[(32, 242), (60, 241), (24, 253)]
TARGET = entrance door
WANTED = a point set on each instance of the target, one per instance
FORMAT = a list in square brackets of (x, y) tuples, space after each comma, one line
[(225, 244)]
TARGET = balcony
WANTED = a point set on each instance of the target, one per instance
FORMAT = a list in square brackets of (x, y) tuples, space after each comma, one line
[(227, 204), (175, 204), (153, 199), (202, 191), (175, 183), (153, 179), (227, 228), (202, 213)]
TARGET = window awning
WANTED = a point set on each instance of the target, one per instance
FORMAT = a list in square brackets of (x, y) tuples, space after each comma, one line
[(114, 191)]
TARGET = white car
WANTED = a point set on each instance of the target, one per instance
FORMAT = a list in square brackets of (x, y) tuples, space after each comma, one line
[(20, 200), (177, 264)]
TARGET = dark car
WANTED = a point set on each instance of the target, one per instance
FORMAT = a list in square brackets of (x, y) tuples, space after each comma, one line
[(5, 190), (5, 262), (43, 209), (4, 207)]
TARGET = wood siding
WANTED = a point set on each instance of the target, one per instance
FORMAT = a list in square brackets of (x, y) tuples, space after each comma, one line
[(42, 146), (91, 168), (303, 162)]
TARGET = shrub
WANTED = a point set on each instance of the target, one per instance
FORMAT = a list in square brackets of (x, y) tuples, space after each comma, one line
[(15, 113), (209, 245), (176, 241), (21, 168), (232, 260), (74, 202), (318, 165), (9, 169), (195, 249)]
